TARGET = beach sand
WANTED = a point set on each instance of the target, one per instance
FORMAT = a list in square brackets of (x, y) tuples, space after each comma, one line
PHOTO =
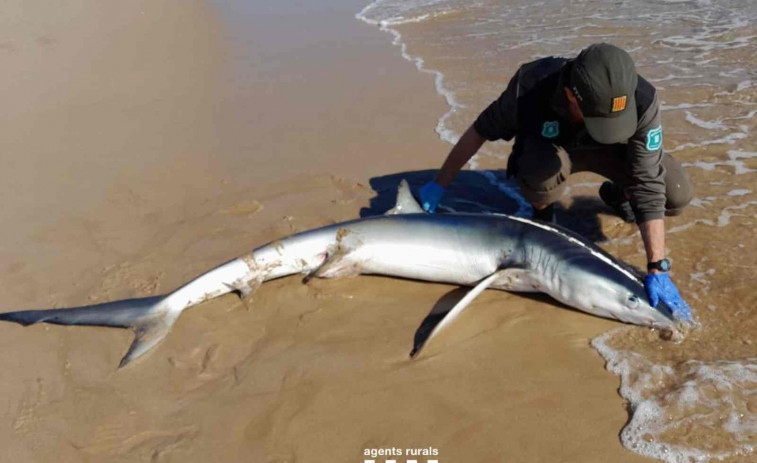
[(145, 143)]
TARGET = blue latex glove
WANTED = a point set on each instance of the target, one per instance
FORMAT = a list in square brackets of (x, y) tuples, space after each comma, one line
[(431, 193), (660, 287)]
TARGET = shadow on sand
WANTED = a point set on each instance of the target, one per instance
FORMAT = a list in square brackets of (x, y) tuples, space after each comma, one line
[(479, 191)]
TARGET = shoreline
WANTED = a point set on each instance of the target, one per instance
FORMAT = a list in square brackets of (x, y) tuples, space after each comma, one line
[(444, 133)]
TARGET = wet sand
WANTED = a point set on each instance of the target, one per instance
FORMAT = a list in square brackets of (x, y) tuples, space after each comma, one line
[(145, 144)]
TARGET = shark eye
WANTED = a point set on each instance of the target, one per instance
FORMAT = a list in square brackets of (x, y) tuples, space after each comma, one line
[(633, 301)]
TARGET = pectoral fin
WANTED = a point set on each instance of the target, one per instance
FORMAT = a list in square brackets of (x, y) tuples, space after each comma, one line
[(457, 310)]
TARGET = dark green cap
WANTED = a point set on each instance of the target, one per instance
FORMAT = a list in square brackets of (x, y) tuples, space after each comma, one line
[(603, 79)]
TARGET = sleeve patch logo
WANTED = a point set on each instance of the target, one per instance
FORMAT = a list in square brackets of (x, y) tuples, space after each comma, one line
[(619, 103), (550, 129), (654, 139)]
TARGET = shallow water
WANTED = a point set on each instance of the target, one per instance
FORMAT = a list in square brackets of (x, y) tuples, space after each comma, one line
[(693, 399)]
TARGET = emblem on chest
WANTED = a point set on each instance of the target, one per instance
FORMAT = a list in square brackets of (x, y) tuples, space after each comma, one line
[(550, 129)]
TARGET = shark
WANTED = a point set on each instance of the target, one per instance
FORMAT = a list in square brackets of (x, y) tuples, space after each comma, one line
[(482, 251)]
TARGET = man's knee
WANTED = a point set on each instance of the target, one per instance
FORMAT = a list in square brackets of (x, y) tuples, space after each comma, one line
[(679, 190), (542, 169), (678, 197)]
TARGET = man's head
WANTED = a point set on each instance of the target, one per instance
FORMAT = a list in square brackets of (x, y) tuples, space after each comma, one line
[(603, 81)]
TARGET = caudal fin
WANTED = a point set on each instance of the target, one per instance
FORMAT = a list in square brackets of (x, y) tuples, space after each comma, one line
[(150, 318), (147, 335)]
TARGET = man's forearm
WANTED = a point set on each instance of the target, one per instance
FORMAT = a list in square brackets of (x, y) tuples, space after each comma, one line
[(464, 149), (653, 235)]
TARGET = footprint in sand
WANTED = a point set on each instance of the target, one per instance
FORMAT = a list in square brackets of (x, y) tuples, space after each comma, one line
[(348, 191), (243, 208), (26, 419)]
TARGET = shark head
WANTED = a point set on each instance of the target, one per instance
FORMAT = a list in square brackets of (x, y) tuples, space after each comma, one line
[(581, 275), (603, 286)]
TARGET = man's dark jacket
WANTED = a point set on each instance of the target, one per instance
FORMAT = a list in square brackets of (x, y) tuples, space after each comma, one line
[(535, 97)]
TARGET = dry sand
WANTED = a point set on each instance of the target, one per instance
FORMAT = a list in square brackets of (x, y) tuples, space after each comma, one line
[(146, 142)]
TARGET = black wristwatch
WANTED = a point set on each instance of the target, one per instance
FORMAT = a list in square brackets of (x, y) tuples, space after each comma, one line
[(661, 265)]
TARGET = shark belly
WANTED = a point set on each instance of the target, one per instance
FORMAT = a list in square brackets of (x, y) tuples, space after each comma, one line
[(418, 248)]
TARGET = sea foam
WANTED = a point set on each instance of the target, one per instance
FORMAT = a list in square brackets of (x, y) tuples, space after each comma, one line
[(671, 400)]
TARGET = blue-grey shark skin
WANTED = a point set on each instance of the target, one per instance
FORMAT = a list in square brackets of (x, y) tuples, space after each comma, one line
[(461, 249)]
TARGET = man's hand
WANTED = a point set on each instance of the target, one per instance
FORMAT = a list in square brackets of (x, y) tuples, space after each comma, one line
[(660, 287), (431, 193)]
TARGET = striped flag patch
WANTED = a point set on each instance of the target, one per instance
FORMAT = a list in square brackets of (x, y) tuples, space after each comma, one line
[(619, 103)]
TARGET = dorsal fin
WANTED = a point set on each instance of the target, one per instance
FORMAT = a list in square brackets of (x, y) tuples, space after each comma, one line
[(406, 203)]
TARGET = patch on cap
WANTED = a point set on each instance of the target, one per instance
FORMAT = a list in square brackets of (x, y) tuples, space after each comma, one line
[(619, 103)]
